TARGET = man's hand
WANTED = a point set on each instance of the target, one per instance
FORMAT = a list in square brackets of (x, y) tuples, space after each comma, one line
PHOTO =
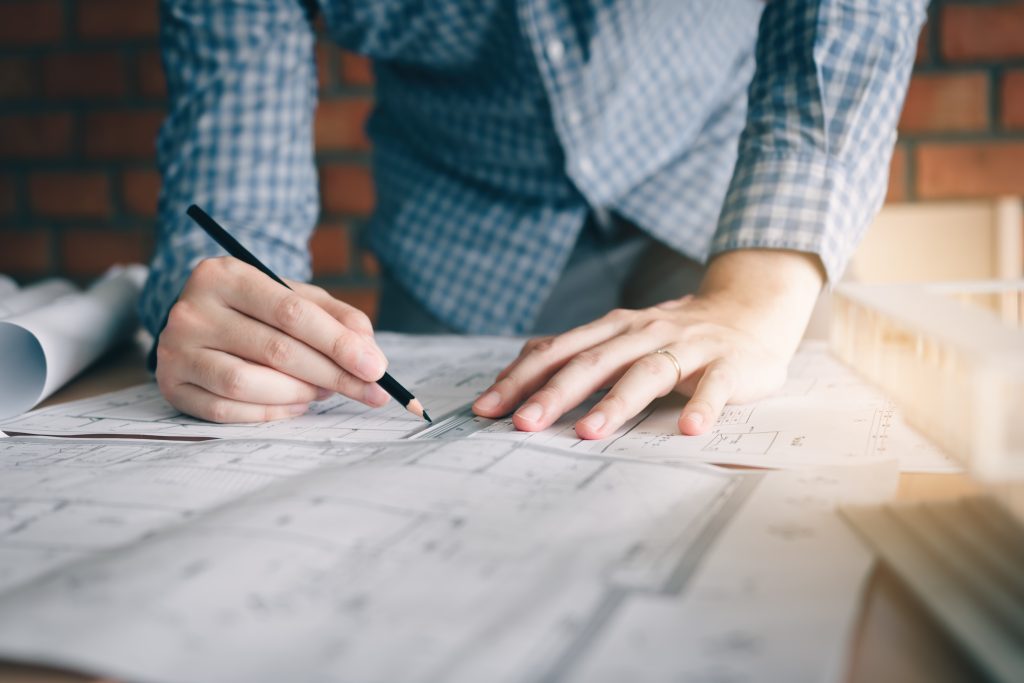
[(239, 347), (733, 342)]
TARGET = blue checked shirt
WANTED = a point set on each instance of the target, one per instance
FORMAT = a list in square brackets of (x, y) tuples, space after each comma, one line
[(500, 124)]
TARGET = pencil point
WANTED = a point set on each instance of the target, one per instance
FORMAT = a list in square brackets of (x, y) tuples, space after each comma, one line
[(416, 408)]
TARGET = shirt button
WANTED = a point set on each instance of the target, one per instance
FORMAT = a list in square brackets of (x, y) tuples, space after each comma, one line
[(573, 116), (556, 51)]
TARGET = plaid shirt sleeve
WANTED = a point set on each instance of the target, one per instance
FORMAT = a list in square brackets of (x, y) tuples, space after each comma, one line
[(237, 139), (823, 105)]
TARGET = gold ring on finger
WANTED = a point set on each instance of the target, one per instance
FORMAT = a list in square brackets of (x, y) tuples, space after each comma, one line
[(672, 359)]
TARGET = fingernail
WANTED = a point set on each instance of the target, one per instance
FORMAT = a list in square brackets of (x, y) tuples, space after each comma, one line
[(531, 412), (696, 419), (322, 394), (594, 421), (374, 395), (489, 401), (368, 366), (298, 408)]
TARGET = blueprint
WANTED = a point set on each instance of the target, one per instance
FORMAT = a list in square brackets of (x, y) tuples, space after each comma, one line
[(445, 373), (421, 560), (824, 415)]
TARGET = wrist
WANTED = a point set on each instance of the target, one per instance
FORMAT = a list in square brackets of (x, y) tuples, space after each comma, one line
[(766, 292)]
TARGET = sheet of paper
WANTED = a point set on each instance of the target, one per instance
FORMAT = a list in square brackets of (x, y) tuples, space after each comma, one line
[(473, 559), (824, 415), (14, 301), (775, 599), (43, 348), (444, 372)]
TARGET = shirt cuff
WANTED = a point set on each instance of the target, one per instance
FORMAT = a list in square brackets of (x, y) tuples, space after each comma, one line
[(801, 202)]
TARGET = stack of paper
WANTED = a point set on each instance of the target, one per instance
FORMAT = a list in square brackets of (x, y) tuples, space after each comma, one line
[(352, 544)]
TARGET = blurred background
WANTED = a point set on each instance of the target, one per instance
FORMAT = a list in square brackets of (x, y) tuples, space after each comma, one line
[(82, 97)]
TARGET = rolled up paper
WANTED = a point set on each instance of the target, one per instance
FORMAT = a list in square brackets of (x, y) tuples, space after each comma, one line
[(7, 288), (43, 348), (16, 301)]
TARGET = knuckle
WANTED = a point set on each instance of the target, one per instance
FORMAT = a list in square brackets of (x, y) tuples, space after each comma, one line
[(550, 393), (219, 410), (588, 359), (618, 315), (342, 349), (210, 269), (179, 318), (343, 382), (544, 345), (721, 373), (362, 319), (288, 312), (278, 352), (510, 384), (234, 383), (614, 404), (698, 331), (659, 327)]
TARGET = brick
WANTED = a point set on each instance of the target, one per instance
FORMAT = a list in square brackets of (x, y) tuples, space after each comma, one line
[(140, 189), (18, 79), (31, 22), (84, 75), (25, 252), (149, 75), (90, 251), (8, 195), (1012, 95), (36, 136), (923, 54), (122, 134), (370, 264), (365, 299), (340, 124), (957, 170), (346, 189), (356, 69), (946, 102), (972, 33), (117, 19), (330, 249), (897, 176), (70, 194)]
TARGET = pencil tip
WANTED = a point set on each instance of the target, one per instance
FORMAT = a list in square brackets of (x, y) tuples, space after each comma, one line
[(416, 408)]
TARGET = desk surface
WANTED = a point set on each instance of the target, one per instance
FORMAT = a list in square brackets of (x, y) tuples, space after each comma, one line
[(895, 640)]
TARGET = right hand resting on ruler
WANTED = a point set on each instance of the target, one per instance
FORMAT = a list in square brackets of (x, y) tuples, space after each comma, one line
[(239, 347)]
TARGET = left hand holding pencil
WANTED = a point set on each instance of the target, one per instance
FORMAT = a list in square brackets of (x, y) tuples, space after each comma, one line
[(238, 347)]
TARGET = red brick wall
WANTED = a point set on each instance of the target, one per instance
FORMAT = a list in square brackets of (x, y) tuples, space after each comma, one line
[(82, 95)]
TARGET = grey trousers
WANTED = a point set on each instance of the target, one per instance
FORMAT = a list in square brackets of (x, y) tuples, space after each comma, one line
[(616, 267)]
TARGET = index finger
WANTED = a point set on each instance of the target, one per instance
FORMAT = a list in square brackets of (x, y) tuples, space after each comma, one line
[(259, 297)]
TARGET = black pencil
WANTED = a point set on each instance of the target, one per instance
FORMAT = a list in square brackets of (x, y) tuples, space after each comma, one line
[(233, 247)]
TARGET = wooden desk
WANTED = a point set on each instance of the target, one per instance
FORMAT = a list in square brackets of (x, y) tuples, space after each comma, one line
[(895, 639)]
